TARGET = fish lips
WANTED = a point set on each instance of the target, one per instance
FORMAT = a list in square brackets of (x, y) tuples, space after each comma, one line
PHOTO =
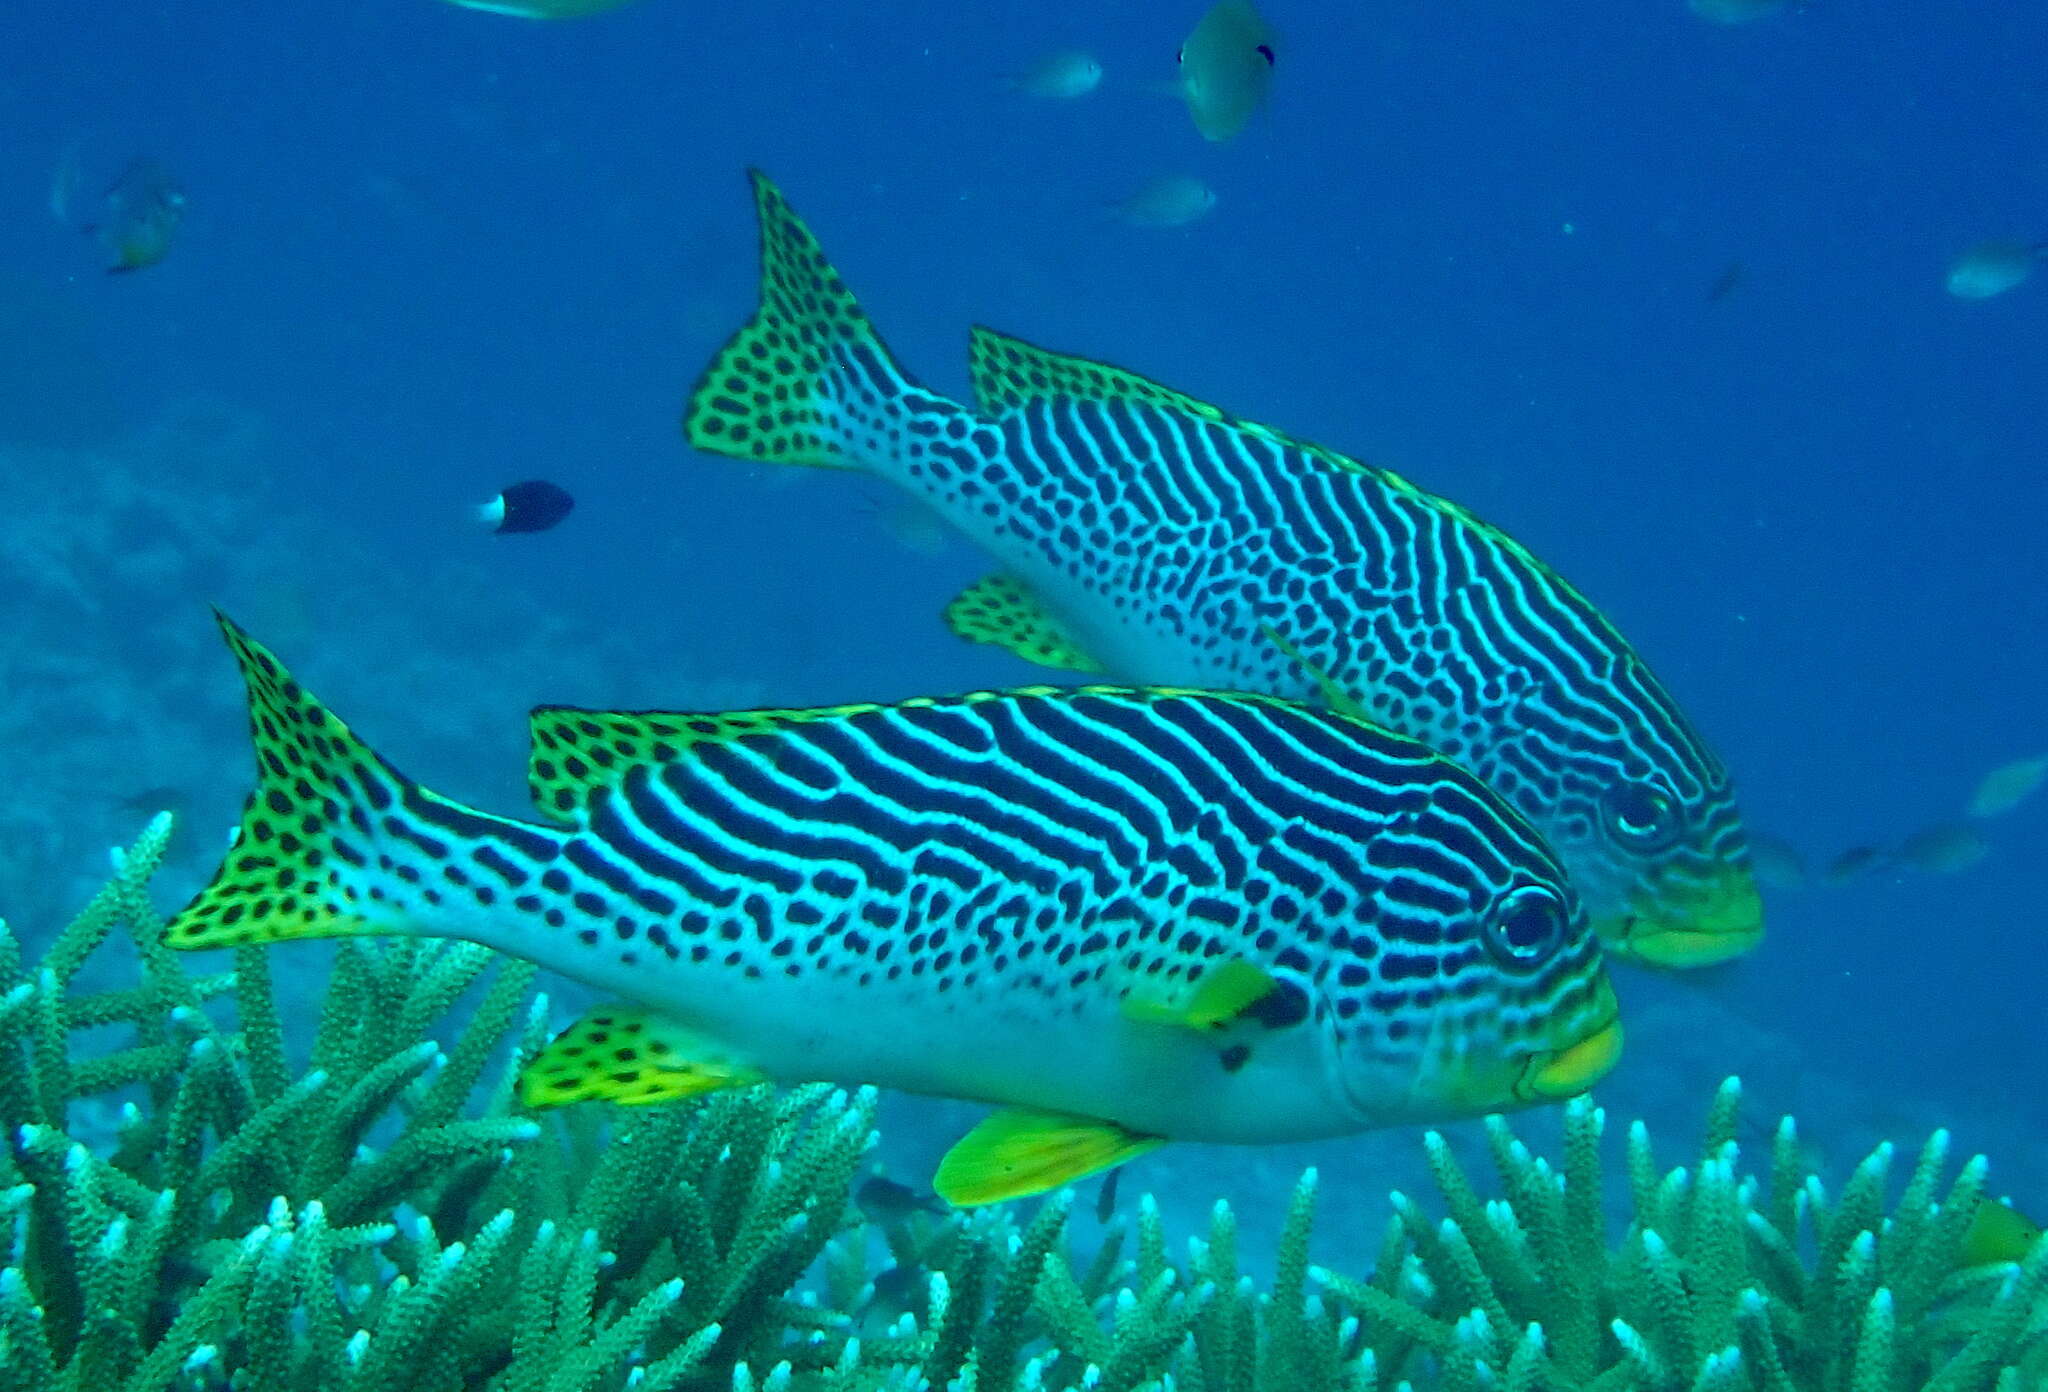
[(1720, 921)]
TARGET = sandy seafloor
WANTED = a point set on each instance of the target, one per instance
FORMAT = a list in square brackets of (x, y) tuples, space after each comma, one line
[(1471, 242)]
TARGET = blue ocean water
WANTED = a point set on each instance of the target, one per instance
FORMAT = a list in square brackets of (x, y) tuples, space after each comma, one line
[(431, 251)]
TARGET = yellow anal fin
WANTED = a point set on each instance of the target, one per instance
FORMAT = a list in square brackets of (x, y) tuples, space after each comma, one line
[(1220, 995), (1333, 694), (1001, 612), (625, 1054), (1019, 1152)]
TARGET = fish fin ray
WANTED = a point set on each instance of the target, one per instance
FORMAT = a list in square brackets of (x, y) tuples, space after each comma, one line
[(1018, 1152), (775, 392), (1000, 611), (624, 1054)]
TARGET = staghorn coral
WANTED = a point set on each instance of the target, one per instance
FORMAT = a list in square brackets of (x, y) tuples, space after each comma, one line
[(386, 1217), (1721, 1281)]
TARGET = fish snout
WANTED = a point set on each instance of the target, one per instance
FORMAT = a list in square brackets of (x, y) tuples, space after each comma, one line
[(1591, 1048), (1715, 921)]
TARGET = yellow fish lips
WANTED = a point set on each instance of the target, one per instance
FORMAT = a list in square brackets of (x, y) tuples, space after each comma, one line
[(1718, 920), (1555, 1074)]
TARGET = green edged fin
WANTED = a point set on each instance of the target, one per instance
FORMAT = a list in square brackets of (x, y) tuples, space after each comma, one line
[(1333, 693), (1008, 373), (1019, 1152), (768, 394), (1219, 996), (1001, 612), (281, 876), (575, 752), (624, 1054)]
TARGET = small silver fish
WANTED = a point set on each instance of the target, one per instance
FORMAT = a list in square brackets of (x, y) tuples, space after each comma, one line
[(1059, 76), (1171, 200), (2007, 786), (1734, 11), (1945, 848), (142, 210), (1989, 269), (1776, 863), (542, 9)]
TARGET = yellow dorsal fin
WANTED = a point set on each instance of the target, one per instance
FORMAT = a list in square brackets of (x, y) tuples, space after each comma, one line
[(576, 752), (1334, 695), (1019, 1152), (1008, 372), (1000, 611), (622, 1053), (1219, 996)]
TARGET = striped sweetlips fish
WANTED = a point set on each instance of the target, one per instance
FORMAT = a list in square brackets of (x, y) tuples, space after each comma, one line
[(1159, 539), (1124, 916)]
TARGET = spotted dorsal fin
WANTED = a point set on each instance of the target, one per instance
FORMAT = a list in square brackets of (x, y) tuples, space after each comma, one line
[(1008, 372), (999, 611), (574, 752)]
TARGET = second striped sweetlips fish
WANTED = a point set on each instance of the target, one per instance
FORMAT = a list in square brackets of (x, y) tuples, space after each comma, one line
[(1160, 539), (1123, 916)]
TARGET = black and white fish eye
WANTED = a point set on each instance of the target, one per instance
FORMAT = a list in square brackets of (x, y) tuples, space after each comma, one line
[(1527, 927), (1641, 816)]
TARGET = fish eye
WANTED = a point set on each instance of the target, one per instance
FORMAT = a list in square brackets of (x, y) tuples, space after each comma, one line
[(1526, 928), (1266, 52), (1641, 816)]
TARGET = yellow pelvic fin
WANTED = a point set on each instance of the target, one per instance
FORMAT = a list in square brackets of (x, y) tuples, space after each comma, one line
[(1219, 996), (1019, 1152), (622, 1053), (1333, 693), (1000, 611), (281, 878), (769, 393)]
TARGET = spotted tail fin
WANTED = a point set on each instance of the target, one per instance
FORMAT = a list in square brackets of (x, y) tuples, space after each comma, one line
[(807, 380), (334, 841)]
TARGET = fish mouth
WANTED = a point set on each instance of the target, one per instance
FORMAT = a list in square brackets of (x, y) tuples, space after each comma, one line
[(1555, 1074), (1719, 921)]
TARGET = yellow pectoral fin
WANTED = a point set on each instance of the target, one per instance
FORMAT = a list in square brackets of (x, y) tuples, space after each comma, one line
[(1019, 1152), (1219, 996), (1333, 694), (1002, 613), (628, 1055)]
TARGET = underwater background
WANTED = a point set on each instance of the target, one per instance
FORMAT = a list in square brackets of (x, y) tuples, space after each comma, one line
[(429, 251)]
